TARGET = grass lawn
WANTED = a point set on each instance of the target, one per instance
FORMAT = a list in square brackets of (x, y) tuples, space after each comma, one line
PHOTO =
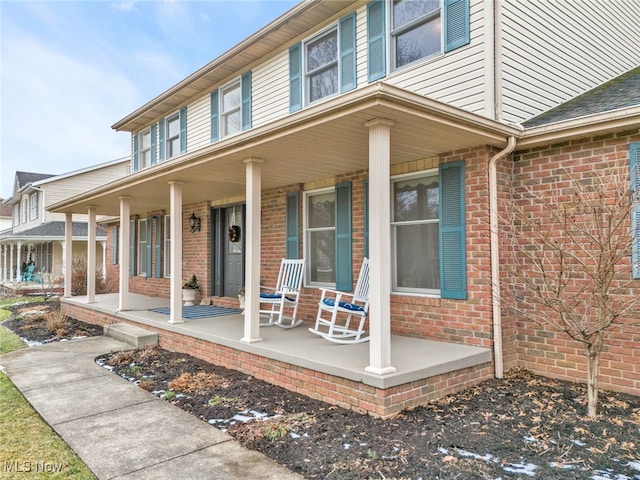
[(29, 448)]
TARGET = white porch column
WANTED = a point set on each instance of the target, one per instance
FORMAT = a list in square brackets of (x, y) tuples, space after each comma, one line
[(91, 255), (68, 253), (380, 247), (125, 260), (3, 263), (252, 250), (18, 262), (175, 210), (11, 270)]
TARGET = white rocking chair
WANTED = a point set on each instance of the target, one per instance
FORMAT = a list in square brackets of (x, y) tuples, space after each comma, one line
[(286, 294), (332, 303)]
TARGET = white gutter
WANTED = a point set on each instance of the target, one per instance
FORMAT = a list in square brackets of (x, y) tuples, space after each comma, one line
[(495, 256)]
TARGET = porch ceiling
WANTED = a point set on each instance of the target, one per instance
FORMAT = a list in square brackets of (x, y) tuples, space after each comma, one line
[(316, 143)]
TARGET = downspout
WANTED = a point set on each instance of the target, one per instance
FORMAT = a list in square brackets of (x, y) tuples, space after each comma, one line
[(495, 255)]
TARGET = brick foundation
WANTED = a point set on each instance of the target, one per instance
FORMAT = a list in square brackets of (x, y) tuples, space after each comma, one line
[(328, 388)]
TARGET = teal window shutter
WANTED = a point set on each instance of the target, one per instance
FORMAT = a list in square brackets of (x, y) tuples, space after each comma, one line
[(293, 240), (366, 217), (158, 246), (344, 279), (114, 245), (149, 266), (376, 46), (132, 247), (161, 132), (453, 263), (347, 33), (183, 130), (456, 24), (154, 146), (215, 117), (295, 78), (634, 157), (136, 154), (246, 101)]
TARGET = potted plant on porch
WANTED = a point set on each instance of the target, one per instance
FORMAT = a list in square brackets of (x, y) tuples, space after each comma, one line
[(190, 291)]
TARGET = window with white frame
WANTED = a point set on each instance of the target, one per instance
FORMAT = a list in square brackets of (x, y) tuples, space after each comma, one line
[(320, 235), (16, 214), (173, 135), (416, 30), (321, 66), (33, 206), (25, 210), (145, 149), (142, 247), (415, 233), (167, 246), (230, 108)]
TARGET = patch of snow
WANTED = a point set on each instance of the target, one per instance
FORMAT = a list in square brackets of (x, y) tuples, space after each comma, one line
[(563, 466), (346, 446), (635, 465), (608, 475), (578, 443), (527, 469)]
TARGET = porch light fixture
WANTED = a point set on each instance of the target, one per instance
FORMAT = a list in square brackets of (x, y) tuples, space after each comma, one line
[(194, 223)]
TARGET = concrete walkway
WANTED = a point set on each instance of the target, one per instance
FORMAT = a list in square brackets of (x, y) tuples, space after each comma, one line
[(119, 430)]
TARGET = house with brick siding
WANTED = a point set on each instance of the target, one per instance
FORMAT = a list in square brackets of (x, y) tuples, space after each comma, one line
[(379, 129), (35, 235)]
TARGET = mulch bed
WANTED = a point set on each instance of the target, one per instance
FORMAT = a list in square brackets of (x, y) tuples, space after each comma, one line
[(524, 426)]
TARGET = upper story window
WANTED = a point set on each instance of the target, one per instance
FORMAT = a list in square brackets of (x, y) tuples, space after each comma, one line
[(230, 108), (145, 149), (321, 66), (324, 65), (161, 141), (403, 32), (173, 135), (33, 206), (416, 31), (16, 214), (25, 209)]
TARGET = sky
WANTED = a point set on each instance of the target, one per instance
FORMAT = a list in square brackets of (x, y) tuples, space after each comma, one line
[(71, 69)]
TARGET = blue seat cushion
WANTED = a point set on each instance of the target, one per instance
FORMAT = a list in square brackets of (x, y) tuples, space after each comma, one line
[(346, 305), (275, 296)]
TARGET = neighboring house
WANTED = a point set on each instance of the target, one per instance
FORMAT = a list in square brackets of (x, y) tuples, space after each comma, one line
[(36, 235), (347, 129), (6, 216)]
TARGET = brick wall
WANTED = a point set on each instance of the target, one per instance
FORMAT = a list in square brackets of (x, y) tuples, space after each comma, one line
[(547, 170), (328, 388)]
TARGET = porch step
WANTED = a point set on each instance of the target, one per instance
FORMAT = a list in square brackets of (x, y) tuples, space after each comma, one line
[(135, 336)]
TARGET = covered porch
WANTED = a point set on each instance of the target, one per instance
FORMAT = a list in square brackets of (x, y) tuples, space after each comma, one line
[(300, 361)]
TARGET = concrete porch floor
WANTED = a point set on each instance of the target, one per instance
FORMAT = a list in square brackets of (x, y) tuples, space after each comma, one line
[(414, 359)]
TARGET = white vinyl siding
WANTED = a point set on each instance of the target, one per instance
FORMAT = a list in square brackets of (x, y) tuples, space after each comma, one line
[(548, 58), (271, 90), (199, 124)]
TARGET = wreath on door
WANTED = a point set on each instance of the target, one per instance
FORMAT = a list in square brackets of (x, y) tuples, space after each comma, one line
[(233, 233)]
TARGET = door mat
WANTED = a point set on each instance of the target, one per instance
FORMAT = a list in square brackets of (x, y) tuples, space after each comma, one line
[(200, 311)]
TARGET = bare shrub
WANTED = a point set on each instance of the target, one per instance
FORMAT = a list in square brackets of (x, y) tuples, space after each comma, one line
[(79, 278), (56, 322), (197, 383)]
